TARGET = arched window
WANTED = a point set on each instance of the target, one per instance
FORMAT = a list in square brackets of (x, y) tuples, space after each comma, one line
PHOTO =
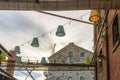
[(82, 78), (70, 78), (58, 78)]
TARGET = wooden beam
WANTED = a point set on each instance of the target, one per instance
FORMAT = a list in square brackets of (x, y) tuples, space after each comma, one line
[(58, 5)]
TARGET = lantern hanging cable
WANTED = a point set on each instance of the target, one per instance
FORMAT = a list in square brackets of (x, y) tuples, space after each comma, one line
[(42, 35)]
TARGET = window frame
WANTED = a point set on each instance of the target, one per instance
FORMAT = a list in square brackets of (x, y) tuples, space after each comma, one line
[(81, 54), (58, 78), (115, 32), (70, 78), (82, 78)]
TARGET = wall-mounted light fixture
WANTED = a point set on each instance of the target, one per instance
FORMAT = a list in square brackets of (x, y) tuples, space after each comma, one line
[(100, 57)]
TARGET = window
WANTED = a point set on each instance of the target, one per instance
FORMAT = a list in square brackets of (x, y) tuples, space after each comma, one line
[(70, 78), (70, 58), (71, 54), (59, 56), (58, 78), (82, 78), (82, 55), (115, 30)]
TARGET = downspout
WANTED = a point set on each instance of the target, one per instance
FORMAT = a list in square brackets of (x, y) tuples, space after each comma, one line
[(107, 58), (96, 45)]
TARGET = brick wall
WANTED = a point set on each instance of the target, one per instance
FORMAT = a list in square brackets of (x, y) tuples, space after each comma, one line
[(111, 63), (10, 69), (114, 56)]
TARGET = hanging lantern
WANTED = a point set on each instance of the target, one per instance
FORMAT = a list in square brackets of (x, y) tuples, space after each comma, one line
[(2, 56), (17, 49), (18, 59), (35, 42), (94, 16), (69, 60), (60, 31), (43, 60), (86, 60)]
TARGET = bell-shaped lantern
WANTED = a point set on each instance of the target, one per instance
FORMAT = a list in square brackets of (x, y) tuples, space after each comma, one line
[(2, 56), (86, 60), (17, 49), (60, 31), (94, 16), (18, 59), (69, 60), (35, 42), (43, 60)]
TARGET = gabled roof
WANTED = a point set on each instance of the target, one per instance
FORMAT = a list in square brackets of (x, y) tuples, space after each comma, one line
[(67, 47)]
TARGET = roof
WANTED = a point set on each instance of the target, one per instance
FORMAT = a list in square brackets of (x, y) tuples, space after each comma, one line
[(67, 47)]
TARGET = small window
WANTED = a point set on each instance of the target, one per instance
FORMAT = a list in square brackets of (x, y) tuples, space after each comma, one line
[(115, 30), (70, 78), (71, 54), (58, 78), (59, 56), (82, 55), (82, 78)]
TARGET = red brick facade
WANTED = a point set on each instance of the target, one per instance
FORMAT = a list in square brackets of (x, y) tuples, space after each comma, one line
[(103, 39), (10, 70)]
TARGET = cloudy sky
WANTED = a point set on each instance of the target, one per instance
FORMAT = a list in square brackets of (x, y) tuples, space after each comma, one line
[(17, 28)]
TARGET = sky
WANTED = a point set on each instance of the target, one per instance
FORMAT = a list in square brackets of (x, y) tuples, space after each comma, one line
[(18, 28)]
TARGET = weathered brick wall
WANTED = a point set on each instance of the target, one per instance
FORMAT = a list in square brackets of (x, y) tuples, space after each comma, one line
[(88, 75), (114, 56), (111, 63), (9, 69)]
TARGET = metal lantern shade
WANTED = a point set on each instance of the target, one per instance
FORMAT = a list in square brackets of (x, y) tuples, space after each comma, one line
[(94, 16), (2, 57), (60, 31), (18, 59), (69, 60), (35, 42), (86, 60), (43, 60), (17, 49)]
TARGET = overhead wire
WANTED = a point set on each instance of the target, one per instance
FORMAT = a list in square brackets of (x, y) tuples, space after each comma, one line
[(50, 32)]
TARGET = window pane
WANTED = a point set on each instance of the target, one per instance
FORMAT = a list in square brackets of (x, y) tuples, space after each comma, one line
[(58, 78), (69, 78), (82, 78), (70, 54), (82, 55), (115, 30)]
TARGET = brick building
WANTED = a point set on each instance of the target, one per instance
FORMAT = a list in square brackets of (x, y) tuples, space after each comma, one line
[(77, 55), (106, 45)]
